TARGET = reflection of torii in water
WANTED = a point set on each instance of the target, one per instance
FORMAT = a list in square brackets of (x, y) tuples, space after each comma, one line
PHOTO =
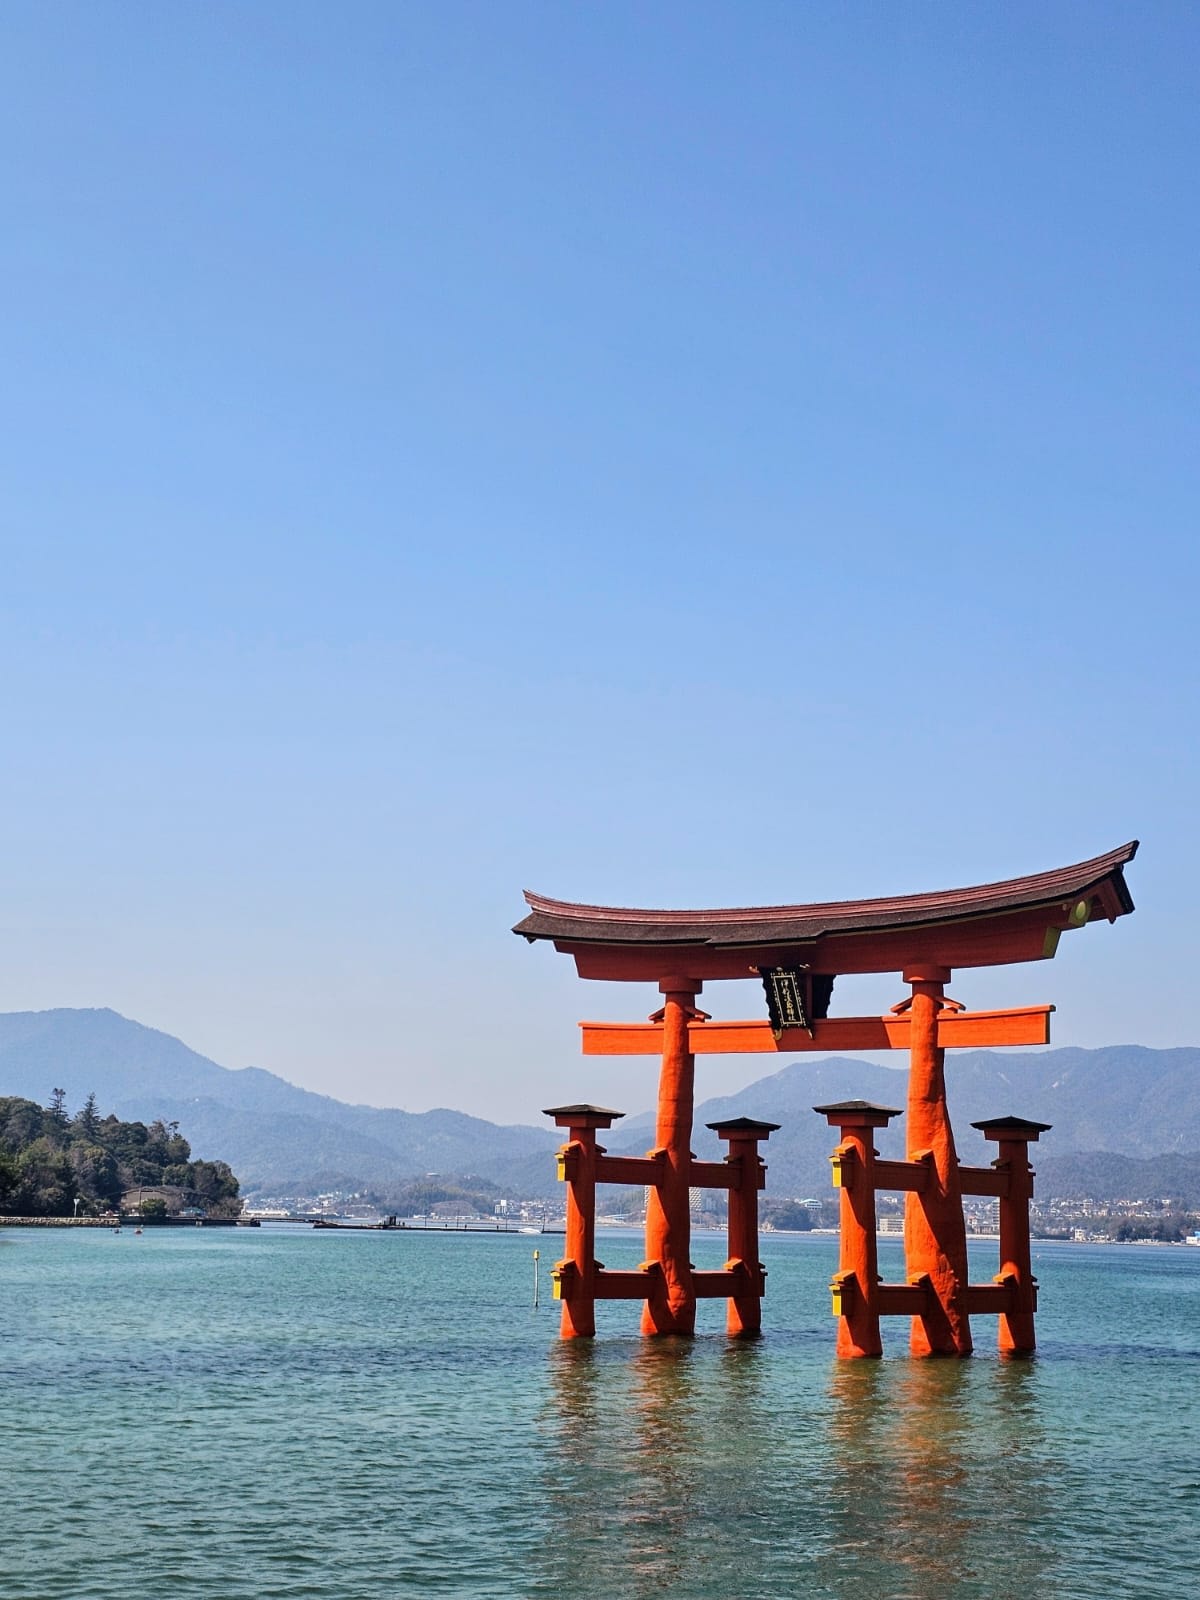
[(798, 951)]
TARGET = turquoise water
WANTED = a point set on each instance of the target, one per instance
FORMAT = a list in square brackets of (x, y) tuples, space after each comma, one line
[(276, 1413)]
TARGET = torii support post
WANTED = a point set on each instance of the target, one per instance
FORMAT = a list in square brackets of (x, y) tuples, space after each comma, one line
[(1014, 1135), (855, 1289), (747, 1176), (575, 1274), (672, 1307), (935, 1231)]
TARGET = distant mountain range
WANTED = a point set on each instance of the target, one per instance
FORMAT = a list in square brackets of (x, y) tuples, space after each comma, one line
[(271, 1133), (1126, 1100)]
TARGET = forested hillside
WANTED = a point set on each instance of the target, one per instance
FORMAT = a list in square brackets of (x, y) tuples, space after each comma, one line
[(49, 1160)]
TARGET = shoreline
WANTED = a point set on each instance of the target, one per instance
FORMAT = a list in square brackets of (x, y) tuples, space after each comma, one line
[(127, 1222)]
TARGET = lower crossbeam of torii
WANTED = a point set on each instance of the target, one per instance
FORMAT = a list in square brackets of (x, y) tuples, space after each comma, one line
[(797, 951)]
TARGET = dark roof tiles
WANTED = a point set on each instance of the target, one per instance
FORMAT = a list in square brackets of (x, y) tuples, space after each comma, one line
[(754, 925)]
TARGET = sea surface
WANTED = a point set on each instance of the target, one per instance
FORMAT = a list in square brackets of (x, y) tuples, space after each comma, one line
[(277, 1413)]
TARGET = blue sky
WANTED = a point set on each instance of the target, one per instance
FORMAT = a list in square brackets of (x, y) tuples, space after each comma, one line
[(654, 454)]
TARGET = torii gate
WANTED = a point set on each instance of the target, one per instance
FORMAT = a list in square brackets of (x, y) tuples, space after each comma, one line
[(798, 951)]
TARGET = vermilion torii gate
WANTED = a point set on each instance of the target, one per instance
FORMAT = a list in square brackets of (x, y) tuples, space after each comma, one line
[(798, 951)]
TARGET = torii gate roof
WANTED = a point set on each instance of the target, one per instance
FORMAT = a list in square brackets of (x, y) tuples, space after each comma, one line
[(1019, 919)]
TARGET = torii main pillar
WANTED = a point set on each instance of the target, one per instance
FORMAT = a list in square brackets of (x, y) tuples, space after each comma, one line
[(668, 1208), (935, 1232)]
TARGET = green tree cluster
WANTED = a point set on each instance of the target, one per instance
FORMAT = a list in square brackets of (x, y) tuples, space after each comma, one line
[(1168, 1229), (49, 1159), (789, 1215)]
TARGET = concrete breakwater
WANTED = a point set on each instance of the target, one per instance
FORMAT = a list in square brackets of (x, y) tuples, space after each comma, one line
[(132, 1221), (58, 1222)]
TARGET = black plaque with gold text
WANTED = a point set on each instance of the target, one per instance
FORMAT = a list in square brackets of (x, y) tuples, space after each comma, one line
[(787, 998)]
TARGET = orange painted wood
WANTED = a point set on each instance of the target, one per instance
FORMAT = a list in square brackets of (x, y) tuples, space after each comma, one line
[(935, 1233), (1015, 1334), (668, 1213), (726, 1283), (909, 1299), (901, 1299), (955, 1030), (639, 1170), (634, 1285), (743, 1314), (984, 1180), (718, 1284), (976, 925), (991, 942), (985, 1299), (904, 1175), (858, 1257), (579, 1162)]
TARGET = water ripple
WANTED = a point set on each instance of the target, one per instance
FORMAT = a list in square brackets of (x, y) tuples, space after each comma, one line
[(273, 1417)]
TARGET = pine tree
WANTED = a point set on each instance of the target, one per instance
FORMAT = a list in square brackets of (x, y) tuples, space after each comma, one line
[(87, 1119)]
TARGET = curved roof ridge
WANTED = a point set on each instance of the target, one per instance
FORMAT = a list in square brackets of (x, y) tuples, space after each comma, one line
[(1028, 890)]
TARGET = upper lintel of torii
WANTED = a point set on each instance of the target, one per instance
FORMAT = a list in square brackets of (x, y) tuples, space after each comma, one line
[(990, 924)]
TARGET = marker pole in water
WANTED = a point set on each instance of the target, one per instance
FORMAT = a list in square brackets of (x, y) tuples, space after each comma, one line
[(536, 1258)]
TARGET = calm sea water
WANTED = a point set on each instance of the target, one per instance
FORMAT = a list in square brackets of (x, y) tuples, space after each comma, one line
[(276, 1414)]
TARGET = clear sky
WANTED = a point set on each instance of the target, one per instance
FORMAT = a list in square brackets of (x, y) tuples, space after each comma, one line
[(657, 454)]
